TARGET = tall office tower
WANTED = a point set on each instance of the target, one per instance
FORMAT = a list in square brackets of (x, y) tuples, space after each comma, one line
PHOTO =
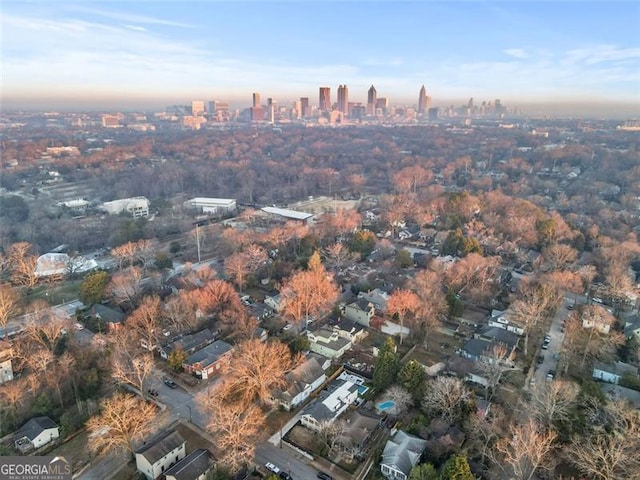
[(325, 99), (304, 106), (422, 101), (197, 107), (211, 107), (256, 100), (297, 109), (434, 113), (271, 109), (343, 99), (382, 104), (372, 97)]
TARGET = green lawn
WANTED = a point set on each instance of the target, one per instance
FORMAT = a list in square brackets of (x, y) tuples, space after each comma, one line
[(55, 294)]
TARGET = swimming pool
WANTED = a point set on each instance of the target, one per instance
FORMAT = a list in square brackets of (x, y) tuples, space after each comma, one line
[(362, 389), (388, 405)]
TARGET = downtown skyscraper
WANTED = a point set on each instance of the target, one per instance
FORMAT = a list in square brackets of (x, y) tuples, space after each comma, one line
[(324, 103), (422, 101), (372, 98), (343, 99)]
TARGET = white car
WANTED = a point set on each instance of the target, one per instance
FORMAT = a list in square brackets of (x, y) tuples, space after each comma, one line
[(287, 327), (272, 468), (78, 326)]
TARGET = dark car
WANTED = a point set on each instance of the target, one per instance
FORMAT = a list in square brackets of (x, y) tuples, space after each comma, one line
[(540, 359), (285, 475), (170, 383), (324, 476), (152, 392)]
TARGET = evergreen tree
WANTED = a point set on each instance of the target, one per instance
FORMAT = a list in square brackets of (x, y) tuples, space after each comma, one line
[(456, 468), (412, 377), (92, 289), (423, 471), (387, 365)]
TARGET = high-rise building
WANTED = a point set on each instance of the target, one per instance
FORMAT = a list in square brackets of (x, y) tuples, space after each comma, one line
[(325, 99), (256, 100), (422, 101), (197, 108), (343, 99), (304, 106), (372, 97)]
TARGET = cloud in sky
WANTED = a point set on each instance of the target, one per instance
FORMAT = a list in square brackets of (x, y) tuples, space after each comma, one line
[(89, 50)]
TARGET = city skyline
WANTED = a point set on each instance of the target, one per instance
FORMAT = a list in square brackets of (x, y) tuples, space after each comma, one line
[(149, 54)]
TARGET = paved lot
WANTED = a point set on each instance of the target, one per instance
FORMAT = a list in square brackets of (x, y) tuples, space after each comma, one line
[(285, 459)]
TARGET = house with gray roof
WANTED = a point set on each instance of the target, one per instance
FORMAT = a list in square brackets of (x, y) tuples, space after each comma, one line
[(330, 404), (401, 453), (188, 343), (195, 466), (36, 433), (209, 360), (156, 456), (361, 311), (612, 373), (302, 381)]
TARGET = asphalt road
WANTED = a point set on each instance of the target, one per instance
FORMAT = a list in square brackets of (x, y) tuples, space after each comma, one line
[(285, 459)]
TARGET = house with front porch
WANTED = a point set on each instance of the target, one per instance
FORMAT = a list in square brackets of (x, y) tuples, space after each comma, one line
[(159, 454), (401, 453), (36, 433), (302, 381)]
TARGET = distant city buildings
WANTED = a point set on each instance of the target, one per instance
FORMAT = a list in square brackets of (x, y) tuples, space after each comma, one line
[(325, 99), (343, 99), (423, 101), (372, 97)]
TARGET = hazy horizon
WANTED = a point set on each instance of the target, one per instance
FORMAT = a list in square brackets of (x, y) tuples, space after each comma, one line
[(571, 57)]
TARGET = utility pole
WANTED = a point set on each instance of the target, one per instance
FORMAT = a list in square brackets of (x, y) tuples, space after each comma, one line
[(198, 241)]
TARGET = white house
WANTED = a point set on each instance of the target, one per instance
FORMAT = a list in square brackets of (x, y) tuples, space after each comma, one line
[(274, 302), (330, 404), (401, 453), (51, 264), (194, 466), (501, 319), (6, 368), (614, 372), (36, 433), (361, 311), (216, 206), (161, 453), (328, 342), (136, 206)]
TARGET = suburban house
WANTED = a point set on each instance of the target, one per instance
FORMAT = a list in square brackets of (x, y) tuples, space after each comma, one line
[(360, 427), (466, 369), (361, 311), (188, 343), (377, 297), (499, 336), (401, 453), (159, 454), (476, 349), (327, 342), (195, 466), (274, 302), (596, 322), (501, 319), (350, 330), (632, 327), (612, 373), (330, 404), (208, 361), (6, 368), (111, 319), (36, 433), (302, 381)]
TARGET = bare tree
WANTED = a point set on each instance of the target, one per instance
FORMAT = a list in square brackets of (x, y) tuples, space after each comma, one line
[(133, 369), (146, 250), (527, 450), (427, 284), (234, 424), (493, 363), (447, 397), (258, 368), (339, 256), (609, 453), (144, 322), (9, 306), (22, 264), (402, 303), (401, 397), (552, 402), (126, 286), (125, 253), (123, 420)]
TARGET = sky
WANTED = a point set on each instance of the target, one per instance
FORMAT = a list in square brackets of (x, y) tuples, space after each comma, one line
[(145, 54)]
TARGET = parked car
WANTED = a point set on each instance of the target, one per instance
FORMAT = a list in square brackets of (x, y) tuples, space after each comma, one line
[(285, 476), (540, 359), (551, 375), (78, 326), (170, 383), (152, 392), (324, 476), (545, 346), (287, 327), (272, 468), (547, 339)]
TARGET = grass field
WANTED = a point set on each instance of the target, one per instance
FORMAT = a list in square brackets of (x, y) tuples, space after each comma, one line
[(55, 294)]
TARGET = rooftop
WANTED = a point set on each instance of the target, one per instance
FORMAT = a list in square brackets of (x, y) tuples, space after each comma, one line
[(158, 447)]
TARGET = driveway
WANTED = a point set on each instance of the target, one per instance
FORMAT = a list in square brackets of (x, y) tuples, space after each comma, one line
[(287, 459), (180, 402)]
